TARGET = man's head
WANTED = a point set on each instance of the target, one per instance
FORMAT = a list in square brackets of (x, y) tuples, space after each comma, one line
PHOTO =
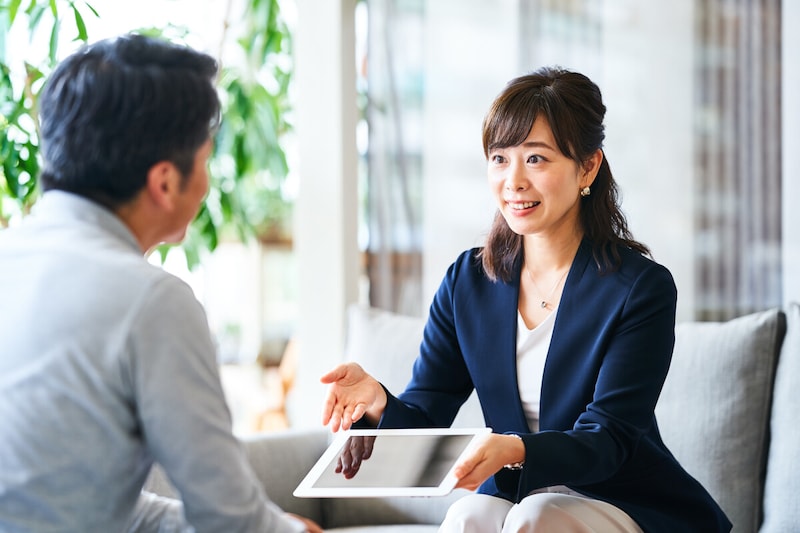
[(113, 110)]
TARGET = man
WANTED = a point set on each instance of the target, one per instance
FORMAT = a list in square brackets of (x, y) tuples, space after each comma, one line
[(106, 361)]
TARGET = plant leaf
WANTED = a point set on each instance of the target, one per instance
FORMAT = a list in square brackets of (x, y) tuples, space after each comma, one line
[(13, 7), (80, 25), (92, 9), (53, 49), (34, 12)]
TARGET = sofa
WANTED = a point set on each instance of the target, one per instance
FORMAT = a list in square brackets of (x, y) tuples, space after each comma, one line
[(727, 413)]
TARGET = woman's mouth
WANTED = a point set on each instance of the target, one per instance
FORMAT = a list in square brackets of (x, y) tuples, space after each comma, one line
[(523, 205)]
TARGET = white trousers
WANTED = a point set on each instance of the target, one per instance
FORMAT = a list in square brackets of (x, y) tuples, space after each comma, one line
[(540, 512)]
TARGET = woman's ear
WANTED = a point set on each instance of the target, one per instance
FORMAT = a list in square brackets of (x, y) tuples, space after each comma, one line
[(591, 167), (163, 183)]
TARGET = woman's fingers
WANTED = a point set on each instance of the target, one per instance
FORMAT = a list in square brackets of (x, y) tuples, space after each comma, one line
[(352, 393), (332, 410), (489, 456), (347, 373), (334, 375), (327, 409), (347, 417), (471, 474), (334, 403)]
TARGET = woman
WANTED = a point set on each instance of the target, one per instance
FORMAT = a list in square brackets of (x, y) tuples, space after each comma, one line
[(565, 329)]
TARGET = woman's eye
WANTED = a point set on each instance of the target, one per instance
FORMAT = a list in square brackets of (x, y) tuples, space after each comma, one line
[(534, 159), (497, 159)]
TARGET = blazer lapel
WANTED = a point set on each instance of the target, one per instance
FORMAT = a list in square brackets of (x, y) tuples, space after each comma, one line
[(566, 357), (493, 349)]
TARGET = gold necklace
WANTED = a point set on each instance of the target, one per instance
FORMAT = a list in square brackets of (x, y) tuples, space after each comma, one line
[(545, 304)]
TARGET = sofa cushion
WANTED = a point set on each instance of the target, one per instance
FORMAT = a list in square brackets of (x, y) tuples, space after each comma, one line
[(281, 459), (714, 409), (386, 345), (781, 500)]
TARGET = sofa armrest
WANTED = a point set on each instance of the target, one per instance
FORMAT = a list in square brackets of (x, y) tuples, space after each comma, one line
[(280, 461)]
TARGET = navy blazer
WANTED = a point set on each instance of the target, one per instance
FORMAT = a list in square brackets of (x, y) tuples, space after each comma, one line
[(609, 355)]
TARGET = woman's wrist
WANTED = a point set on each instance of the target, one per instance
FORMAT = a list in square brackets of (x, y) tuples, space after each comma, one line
[(376, 410), (518, 464)]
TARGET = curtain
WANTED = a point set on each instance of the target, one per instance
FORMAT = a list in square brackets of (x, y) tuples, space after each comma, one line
[(393, 112), (738, 139)]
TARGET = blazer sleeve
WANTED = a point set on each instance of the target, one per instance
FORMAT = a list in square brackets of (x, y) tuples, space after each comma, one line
[(440, 381)]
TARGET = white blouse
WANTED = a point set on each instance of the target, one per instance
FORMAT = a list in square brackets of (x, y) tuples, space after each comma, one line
[(532, 347)]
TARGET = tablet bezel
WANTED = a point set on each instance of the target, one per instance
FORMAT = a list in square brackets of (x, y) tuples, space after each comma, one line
[(306, 488)]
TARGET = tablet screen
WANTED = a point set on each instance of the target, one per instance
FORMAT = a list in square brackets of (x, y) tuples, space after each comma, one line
[(389, 463)]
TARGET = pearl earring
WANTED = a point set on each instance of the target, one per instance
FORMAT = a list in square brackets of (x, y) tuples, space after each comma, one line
[(586, 191)]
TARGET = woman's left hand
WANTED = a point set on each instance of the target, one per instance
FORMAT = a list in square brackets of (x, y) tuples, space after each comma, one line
[(490, 455)]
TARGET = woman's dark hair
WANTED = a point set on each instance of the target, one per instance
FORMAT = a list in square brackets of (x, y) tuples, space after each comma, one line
[(574, 109), (113, 109)]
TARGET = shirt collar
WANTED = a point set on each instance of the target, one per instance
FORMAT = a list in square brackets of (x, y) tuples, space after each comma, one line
[(61, 206)]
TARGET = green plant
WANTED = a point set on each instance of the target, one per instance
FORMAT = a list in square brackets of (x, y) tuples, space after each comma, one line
[(19, 146), (248, 166)]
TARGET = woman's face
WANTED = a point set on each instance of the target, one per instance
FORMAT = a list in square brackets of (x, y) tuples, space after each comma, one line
[(537, 188)]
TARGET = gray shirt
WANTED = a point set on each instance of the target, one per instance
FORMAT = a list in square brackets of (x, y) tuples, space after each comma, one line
[(106, 365)]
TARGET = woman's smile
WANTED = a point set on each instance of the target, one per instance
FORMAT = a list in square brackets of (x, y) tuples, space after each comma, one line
[(522, 205)]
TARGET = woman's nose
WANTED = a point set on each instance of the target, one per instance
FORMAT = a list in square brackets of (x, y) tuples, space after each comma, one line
[(515, 180)]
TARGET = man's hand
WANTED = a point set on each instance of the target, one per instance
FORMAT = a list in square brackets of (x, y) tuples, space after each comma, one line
[(311, 526), (351, 395)]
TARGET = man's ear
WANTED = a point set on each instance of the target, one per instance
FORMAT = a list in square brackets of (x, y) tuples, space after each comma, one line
[(591, 167), (163, 183)]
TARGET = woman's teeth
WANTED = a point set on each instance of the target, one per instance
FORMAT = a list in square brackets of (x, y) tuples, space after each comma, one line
[(523, 205)]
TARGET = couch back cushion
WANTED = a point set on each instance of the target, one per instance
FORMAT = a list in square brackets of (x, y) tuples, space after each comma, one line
[(714, 409), (386, 345), (782, 489)]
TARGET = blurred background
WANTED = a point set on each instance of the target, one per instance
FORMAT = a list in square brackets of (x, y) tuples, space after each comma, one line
[(349, 167)]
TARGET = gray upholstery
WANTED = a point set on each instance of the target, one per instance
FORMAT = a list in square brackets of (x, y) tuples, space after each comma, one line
[(714, 409), (386, 344), (714, 414), (282, 460), (782, 490)]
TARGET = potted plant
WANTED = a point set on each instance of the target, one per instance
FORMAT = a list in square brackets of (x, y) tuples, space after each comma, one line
[(248, 166)]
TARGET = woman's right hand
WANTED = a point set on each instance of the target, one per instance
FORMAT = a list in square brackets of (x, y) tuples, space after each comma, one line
[(352, 393)]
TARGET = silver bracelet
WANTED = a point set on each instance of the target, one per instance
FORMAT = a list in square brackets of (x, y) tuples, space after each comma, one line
[(515, 466)]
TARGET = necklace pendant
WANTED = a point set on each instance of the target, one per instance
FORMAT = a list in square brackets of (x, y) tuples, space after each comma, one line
[(544, 304)]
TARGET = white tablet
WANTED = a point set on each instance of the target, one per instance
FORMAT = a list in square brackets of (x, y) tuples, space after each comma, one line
[(389, 462)]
